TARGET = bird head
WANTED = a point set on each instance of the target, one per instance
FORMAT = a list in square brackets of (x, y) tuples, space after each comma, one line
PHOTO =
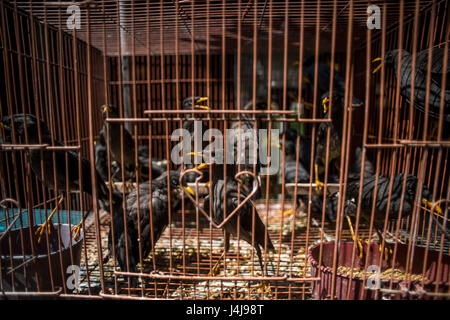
[(110, 111), (195, 103), (174, 179), (22, 121), (390, 59), (338, 101)]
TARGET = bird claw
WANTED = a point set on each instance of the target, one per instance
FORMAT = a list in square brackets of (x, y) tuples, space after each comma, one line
[(360, 242), (76, 229), (319, 187), (40, 230), (387, 251)]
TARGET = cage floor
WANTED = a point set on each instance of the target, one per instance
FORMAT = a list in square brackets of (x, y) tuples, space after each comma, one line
[(200, 250)]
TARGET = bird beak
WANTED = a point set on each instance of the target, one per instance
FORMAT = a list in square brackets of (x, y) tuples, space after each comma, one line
[(198, 106), (202, 166), (189, 189), (325, 102), (429, 204), (296, 63), (95, 142), (105, 109), (272, 106), (379, 66), (2, 125)]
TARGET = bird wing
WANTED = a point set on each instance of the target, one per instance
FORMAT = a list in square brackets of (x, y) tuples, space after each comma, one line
[(436, 60), (102, 136), (437, 65)]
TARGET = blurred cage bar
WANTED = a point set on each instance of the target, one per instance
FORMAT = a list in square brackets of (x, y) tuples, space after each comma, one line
[(146, 57)]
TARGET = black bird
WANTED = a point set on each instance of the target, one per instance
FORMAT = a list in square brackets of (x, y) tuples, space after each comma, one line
[(323, 80), (291, 170), (290, 157), (331, 200), (101, 160), (354, 172), (324, 71), (156, 165), (290, 150), (129, 162), (336, 127), (192, 103), (420, 81), (381, 201), (244, 142), (331, 205), (101, 163), (229, 189), (31, 123), (159, 204)]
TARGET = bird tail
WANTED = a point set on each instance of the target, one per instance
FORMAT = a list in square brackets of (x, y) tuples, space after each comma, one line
[(107, 257), (260, 232), (102, 190), (270, 245)]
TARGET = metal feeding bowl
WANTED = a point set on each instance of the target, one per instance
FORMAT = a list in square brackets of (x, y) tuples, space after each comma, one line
[(436, 269), (21, 270)]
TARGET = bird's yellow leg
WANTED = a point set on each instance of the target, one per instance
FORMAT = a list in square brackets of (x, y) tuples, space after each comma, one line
[(40, 230), (76, 229), (358, 241), (387, 246), (319, 184), (216, 267), (429, 204)]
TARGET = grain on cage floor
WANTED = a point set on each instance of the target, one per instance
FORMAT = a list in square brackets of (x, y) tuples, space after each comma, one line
[(395, 274), (200, 250)]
